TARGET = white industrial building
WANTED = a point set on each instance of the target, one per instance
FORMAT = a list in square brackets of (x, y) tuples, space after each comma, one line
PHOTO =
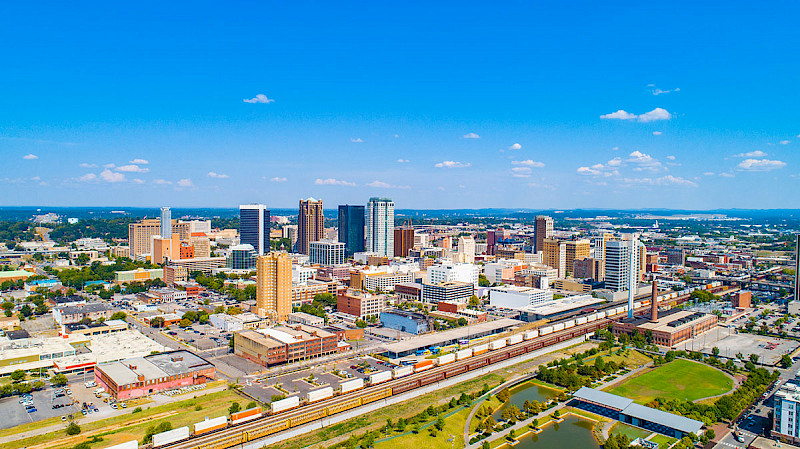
[(514, 297), (454, 272)]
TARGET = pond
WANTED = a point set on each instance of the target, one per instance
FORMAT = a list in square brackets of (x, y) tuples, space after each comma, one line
[(573, 432), (526, 391)]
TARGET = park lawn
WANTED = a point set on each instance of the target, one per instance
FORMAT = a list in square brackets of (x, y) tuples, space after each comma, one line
[(376, 419), (132, 426), (631, 357), (632, 432), (680, 379), (663, 440), (453, 425)]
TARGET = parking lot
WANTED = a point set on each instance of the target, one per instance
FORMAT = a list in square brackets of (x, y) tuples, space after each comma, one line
[(12, 413), (301, 382), (201, 336), (768, 349)]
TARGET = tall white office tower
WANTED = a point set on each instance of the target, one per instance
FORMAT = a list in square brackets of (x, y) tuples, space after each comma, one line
[(380, 226), (166, 223)]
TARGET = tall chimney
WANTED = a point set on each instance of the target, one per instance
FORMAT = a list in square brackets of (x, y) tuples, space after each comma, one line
[(654, 303)]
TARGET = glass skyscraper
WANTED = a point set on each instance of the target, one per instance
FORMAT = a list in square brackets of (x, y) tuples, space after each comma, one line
[(380, 226), (351, 228), (254, 227), (166, 223)]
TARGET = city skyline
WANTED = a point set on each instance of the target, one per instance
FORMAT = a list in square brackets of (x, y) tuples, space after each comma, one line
[(447, 106)]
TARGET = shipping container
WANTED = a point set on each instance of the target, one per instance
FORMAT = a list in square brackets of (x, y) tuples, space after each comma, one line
[(480, 349), (514, 339), (423, 365), (133, 444), (170, 436), (402, 371), (246, 415), (382, 376), (530, 335), (318, 395), (569, 324), (637, 305), (497, 344), (210, 425), (351, 385), (621, 309), (558, 327), (600, 315), (545, 330), (584, 319), (445, 359), (464, 354), (285, 404)]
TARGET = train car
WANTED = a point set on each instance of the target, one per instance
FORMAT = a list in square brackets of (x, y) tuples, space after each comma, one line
[(171, 436), (319, 395), (496, 357), (402, 371), (480, 349), (285, 404), (405, 386), (497, 344), (600, 315), (351, 385), (514, 339), (545, 330), (431, 378), (423, 365), (464, 354), (558, 327), (530, 335), (621, 309), (445, 359), (584, 319), (246, 415), (569, 324), (376, 395), (637, 305), (210, 425), (382, 376), (455, 370)]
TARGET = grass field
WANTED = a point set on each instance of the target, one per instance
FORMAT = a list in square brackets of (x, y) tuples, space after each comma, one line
[(679, 379), (632, 432), (132, 426), (663, 440), (453, 425), (632, 358)]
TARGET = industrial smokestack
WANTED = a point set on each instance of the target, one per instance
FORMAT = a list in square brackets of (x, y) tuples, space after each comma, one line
[(654, 303)]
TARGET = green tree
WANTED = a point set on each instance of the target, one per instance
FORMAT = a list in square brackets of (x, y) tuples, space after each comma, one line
[(715, 351), (439, 423), (73, 429), (18, 375), (754, 358), (119, 316), (786, 361), (59, 380), (235, 407), (361, 324), (157, 322)]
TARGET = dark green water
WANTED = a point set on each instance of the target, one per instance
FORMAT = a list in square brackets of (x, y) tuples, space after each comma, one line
[(572, 433), (526, 391)]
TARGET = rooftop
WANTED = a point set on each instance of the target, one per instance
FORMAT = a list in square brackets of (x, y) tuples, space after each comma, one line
[(461, 333), (669, 321), (561, 305)]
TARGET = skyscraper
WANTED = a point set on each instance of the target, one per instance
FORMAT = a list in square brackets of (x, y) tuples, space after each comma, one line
[(797, 269), (166, 223), (274, 287), (403, 241), (544, 230), (380, 226), (622, 266), (310, 224), (351, 228), (254, 227)]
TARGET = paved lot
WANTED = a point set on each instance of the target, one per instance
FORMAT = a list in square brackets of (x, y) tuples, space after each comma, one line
[(768, 349), (12, 413)]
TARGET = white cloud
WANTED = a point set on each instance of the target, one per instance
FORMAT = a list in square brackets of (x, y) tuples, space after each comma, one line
[(397, 136), (784, 142), (521, 172), (709, 173), (672, 158), (529, 163), (588, 171), (161, 182), (615, 149), (655, 114), (333, 182), (110, 176), (186, 182), (667, 180), (138, 181), (212, 174), (660, 92), (88, 177), (616, 162), (140, 161), (727, 175), (260, 98), (471, 136), (30, 157), (515, 146), (644, 161), (109, 165), (403, 161), (452, 164), (657, 133), (88, 165), (278, 179), (386, 185), (757, 153), (132, 169), (356, 140), (760, 165)]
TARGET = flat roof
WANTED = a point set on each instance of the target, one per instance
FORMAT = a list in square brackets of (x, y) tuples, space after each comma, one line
[(15, 273), (667, 317), (460, 333), (177, 362), (661, 417), (562, 305), (602, 398)]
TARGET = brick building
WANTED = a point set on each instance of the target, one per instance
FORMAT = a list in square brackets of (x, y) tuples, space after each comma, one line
[(284, 344)]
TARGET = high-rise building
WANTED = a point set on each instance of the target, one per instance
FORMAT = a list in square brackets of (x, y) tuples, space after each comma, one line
[(466, 249), (575, 249), (242, 257), (403, 241), (327, 252), (254, 227), (351, 228), (310, 224), (380, 226), (622, 266), (140, 235), (166, 222), (274, 287), (554, 253), (544, 230), (491, 242)]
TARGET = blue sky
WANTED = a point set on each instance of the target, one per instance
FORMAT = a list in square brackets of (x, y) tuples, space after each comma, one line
[(435, 104)]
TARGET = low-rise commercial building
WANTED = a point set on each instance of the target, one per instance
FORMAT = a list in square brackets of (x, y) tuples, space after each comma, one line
[(73, 314), (670, 328), (409, 291), (284, 344), (413, 323), (361, 304), (138, 275), (451, 291), (514, 297), (305, 318)]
